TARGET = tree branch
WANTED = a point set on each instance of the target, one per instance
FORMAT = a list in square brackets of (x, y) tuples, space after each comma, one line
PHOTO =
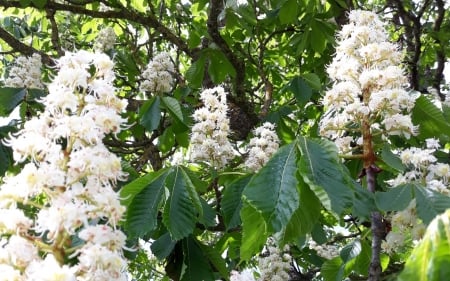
[(440, 50), (124, 13), (216, 7), (55, 32), (22, 48)]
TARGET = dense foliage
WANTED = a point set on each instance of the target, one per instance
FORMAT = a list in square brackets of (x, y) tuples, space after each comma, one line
[(261, 140)]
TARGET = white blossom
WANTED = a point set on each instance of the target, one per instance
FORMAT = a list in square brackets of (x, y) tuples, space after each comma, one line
[(262, 146), (368, 84), (73, 174), (105, 40), (25, 73), (157, 77), (209, 138)]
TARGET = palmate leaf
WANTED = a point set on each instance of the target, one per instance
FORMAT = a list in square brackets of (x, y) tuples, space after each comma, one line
[(394, 199), (9, 99), (231, 202), (431, 119), (254, 233), (430, 260), (150, 114), (321, 169), (273, 190), (195, 265), (146, 194), (304, 218), (429, 203), (180, 211)]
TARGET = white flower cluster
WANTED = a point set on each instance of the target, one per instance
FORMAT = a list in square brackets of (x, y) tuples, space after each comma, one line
[(324, 250), (245, 275), (105, 40), (262, 146), (405, 225), (157, 77), (423, 167), (368, 84), (25, 73), (209, 139), (275, 264), (68, 180)]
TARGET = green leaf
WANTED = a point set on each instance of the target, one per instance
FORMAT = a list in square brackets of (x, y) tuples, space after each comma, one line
[(351, 251), (288, 12), (25, 3), (394, 199), (141, 216), (150, 114), (332, 270), (304, 218), (273, 190), (167, 140), (391, 159), (196, 72), (363, 203), (430, 259), (209, 214), (216, 260), (5, 159), (302, 91), (429, 203), (130, 190), (313, 80), (362, 261), (174, 108), (321, 168), (195, 264), (180, 212), (254, 234), (219, 67), (318, 37), (39, 3), (9, 99), (231, 202), (163, 246), (431, 119)]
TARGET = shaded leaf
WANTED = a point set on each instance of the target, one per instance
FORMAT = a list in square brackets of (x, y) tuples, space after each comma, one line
[(288, 12), (394, 199), (163, 246), (332, 270), (304, 218), (429, 203), (351, 250), (391, 159), (254, 234), (321, 169), (150, 114), (231, 202), (9, 99), (302, 91), (195, 264)]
